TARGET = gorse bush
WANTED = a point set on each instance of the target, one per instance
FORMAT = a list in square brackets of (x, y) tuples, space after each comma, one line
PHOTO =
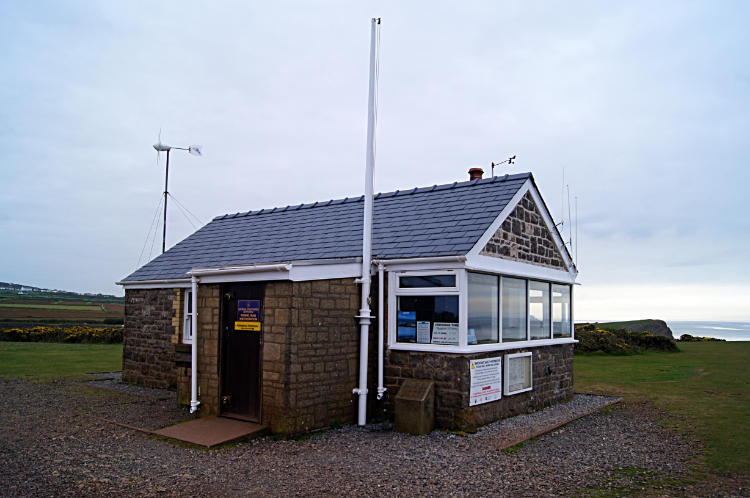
[(688, 337), (59, 334), (619, 341)]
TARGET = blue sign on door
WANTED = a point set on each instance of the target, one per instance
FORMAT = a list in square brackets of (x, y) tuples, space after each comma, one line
[(248, 311)]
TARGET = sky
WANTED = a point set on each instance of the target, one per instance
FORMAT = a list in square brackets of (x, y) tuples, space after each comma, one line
[(639, 109)]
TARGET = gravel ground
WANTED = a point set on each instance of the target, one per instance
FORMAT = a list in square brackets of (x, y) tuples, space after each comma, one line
[(48, 448)]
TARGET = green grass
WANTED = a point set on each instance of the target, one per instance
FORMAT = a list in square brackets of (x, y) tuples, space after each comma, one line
[(44, 360), (706, 384)]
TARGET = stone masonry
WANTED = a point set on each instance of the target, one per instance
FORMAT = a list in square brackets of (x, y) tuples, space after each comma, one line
[(310, 354), (450, 372), (524, 237), (148, 352)]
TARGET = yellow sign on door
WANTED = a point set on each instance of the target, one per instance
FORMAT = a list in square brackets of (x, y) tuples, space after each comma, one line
[(252, 326)]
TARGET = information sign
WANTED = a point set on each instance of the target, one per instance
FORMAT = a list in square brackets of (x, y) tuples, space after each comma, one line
[(248, 315), (445, 333), (423, 332), (486, 381), (248, 311)]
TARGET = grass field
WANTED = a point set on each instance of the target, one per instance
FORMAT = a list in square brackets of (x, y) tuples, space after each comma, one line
[(706, 384), (44, 360)]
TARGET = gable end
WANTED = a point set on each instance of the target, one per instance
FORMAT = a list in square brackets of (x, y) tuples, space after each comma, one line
[(524, 237)]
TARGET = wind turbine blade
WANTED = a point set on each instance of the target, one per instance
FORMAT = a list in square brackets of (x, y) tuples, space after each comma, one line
[(158, 149), (196, 150)]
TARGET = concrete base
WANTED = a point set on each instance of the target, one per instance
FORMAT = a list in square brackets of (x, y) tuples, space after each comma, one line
[(210, 432)]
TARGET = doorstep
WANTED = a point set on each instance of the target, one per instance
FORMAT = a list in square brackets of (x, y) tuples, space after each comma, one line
[(213, 431)]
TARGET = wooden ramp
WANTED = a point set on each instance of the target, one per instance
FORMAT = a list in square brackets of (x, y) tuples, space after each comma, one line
[(210, 432)]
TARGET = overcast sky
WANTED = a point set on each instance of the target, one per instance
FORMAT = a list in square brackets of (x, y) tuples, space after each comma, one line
[(643, 104)]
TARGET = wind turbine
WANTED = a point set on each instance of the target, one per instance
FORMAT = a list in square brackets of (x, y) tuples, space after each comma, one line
[(196, 150)]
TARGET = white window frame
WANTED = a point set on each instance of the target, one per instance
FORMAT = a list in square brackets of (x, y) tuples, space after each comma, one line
[(187, 331), (461, 290), (506, 372)]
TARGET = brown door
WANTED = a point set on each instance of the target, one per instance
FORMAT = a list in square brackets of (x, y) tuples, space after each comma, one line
[(241, 350)]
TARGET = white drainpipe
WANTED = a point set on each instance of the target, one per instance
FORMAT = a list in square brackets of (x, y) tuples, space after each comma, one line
[(364, 312), (194, 403), (381, 314)]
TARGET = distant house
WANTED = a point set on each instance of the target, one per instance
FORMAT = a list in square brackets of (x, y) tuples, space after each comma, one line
[(472, 271)]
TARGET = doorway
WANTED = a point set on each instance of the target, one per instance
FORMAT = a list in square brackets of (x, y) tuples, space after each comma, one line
[(241, 351)]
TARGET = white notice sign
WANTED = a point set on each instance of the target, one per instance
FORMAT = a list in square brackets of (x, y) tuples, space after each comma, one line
[(445, 333), (517, 373), (486, 381), (423, 332)]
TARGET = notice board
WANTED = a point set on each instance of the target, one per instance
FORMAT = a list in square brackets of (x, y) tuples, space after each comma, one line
[(486, 381)]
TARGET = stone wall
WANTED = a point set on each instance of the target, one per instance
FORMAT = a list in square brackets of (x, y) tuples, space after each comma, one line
[(524, 237), (209, 304), (452, 380), (310, 355), (148, 352)]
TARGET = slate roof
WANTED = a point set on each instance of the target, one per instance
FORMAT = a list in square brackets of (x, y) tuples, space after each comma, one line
[(442, 220)]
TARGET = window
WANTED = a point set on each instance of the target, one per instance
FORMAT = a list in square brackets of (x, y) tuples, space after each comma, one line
[(514, 309), (560, 311), (539, 317), (426, 281), (517, 373), (427, 320), (483, 325), (187, 322)]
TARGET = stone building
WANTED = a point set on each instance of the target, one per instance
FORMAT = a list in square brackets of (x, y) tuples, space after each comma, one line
[(477, 290)]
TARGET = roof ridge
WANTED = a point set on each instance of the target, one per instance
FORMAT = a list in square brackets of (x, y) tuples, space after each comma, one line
[(411, 191)]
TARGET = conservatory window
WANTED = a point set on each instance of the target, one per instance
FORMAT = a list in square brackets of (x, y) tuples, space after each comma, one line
[(560, 311), (514, 309), (483, 323), (539, 312), (427, 320)]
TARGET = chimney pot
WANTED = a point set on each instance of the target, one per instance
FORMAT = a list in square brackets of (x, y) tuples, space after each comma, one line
[(475, 174)]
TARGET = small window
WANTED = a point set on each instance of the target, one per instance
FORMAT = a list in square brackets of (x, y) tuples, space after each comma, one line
[(560, 311), (539, 317), (483, 307), (514, 309), (426, 281), (187, 329), (427, 320)]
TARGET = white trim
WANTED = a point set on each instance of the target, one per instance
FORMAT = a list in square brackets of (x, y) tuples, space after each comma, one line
[(165, 285), (518, 269), (481, 348), (506, 372)]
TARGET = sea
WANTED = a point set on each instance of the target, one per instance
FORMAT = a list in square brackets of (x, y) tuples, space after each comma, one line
[(731, 331)]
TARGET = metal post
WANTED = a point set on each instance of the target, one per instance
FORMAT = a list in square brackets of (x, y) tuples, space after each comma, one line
[(166, 192), (364, 312)]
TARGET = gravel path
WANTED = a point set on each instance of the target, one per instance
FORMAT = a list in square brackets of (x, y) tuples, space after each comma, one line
[(48, 449)]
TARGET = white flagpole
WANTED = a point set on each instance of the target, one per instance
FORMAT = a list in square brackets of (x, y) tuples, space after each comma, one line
[(364, 312)]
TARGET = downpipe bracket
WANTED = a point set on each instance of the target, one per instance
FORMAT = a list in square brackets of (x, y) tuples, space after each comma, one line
[(360, 392)]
